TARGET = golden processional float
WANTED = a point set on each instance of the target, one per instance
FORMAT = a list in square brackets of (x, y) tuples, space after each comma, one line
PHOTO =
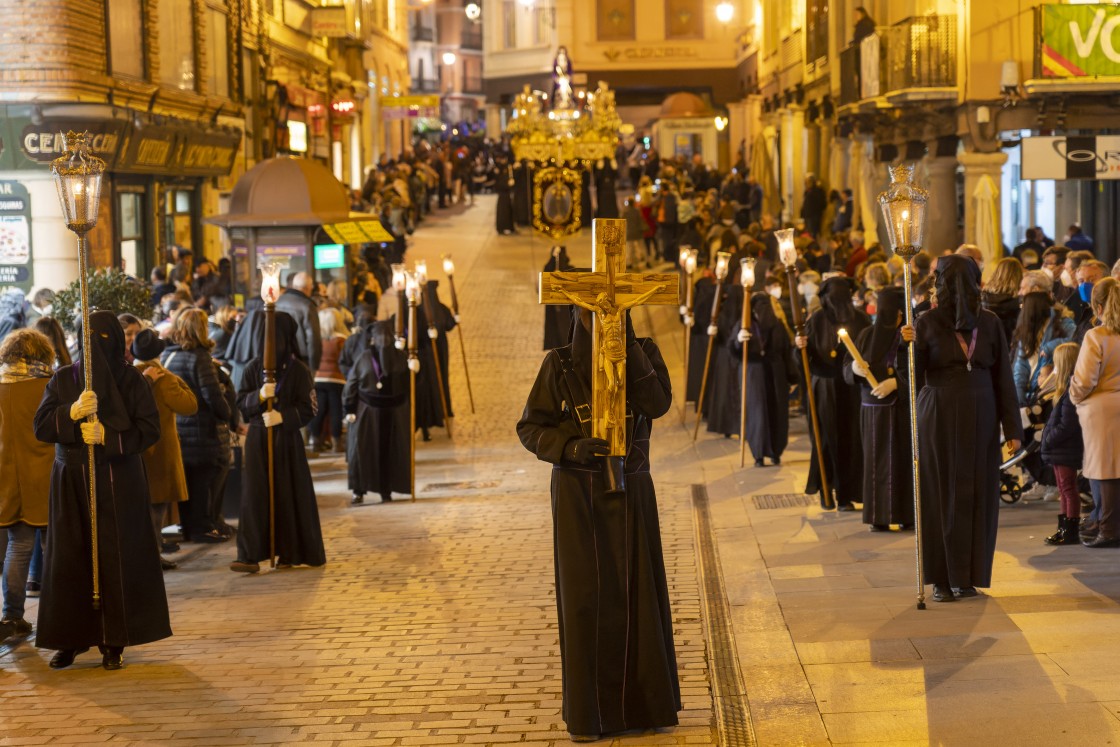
[(562, 136)]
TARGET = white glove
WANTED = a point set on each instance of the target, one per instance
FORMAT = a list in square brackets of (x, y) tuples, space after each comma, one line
[(744, 336), (85, 406), (93, 433), (414, 364), (433, 333), (689, 320), (268, 391), (886, 388), (684, 310), (351, 418), (272, 418), (859, 370), (399, 343), (456, 318), (713, 330)]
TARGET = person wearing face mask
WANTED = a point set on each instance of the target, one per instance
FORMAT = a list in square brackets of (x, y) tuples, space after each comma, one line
[(1088, 275), (838, 403), (1065, 284)]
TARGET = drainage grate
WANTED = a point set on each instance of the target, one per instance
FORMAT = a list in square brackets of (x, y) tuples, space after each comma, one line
[(733, 716), (478, 485), (783, 500)]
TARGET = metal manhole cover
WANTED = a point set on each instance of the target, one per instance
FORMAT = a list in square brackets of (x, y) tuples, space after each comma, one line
[(478, 485), (782, 500)]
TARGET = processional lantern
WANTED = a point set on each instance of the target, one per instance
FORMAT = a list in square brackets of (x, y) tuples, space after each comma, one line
[(787, 252), (77, 176), (400, 281), (746, 274)]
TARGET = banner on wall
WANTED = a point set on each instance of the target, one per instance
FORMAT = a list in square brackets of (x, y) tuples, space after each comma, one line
[(1080, 40)]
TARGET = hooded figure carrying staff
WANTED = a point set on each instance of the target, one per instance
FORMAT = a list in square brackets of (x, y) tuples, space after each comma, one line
[(133, 604)]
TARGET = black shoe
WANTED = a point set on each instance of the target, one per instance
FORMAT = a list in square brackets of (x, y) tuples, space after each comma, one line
[(880, 528), (1089, 530), (241, 566), (168, 565), (209, 538), (1100, 541), (112, 657), (33, 588), (386, 497), (65, 658), (943, 593), (846, 507), (777, 461), (11, 629), (1058, 537), (357, 499), (585, 737), (169, 547), (759, 463), (966, 591), (426, 435)]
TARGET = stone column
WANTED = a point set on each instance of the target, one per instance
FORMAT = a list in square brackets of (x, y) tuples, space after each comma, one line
[(857, 151), (797, 126), (941, 216), (977, 166), (841, 149), (814, 154)]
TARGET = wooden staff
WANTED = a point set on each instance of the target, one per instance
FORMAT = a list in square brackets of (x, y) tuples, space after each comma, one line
[(799, 325), (449, 268), (421, 273), (852, 351), (688, 269), (746, 277), (268, 364), (722, 258), (87, 370), (413, 369)]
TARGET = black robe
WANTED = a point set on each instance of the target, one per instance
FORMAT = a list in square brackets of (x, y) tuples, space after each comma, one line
[(429, 405), (769, 375), (838, 409), (888, 492), (722, 408), (703, 294), (557, 317), (606, 199), (522, 184), (503, 219), (959, 417), (377, 449), (299, 539), (616, 633), (133, 600), (587, 216)]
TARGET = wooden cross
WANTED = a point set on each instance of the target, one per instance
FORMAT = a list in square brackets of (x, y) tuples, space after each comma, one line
[(608, 292)]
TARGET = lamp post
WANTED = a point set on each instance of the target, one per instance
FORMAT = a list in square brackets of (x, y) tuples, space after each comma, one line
[(77, 175), (787, 252), (722, 261), (746, 277), (904, 209), (412, 293), (449, 270), (270, 291)]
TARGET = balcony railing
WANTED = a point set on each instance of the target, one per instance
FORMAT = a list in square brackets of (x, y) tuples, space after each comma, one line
[(472, 84), (849, 75), (914, 54), (425, 85), (423, 34), (471, 40)]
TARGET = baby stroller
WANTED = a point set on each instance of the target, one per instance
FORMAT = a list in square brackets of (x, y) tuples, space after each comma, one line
[(1024, 469)]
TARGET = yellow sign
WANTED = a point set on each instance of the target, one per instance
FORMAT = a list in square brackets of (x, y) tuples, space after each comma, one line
[(358, 232), (423, 102)]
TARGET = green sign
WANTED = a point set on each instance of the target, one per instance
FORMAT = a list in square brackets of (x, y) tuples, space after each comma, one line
[(15, 236), (1080, 41), (329, 256)]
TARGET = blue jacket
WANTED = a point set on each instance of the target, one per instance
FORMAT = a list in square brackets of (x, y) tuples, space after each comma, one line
[(1058, 330), (1061, 438)]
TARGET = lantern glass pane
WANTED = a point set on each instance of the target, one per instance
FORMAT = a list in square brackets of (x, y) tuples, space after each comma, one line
[(904, 209)]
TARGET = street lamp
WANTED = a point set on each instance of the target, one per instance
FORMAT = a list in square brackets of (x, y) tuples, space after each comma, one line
[(77, 175), (473, 11), (449, 58), (725, 11), (904, 209)]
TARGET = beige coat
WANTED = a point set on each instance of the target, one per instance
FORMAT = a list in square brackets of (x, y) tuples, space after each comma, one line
[(1095, 390), (164, 460), (25, 462)]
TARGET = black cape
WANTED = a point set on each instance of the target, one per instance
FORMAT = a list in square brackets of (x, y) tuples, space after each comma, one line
[(299, 539), (133, 600), (703, 294), (522, 183), (377, 449), (557, 317), (616, 633), (960, 413), (429, 405), (769, 376), (722, 408), (504, 219)]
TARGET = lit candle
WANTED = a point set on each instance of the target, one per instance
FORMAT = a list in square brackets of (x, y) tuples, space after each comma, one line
[(786, 250), (746, 273), (851, 346)]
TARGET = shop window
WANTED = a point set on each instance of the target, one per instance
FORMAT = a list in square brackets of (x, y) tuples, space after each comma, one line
[(126, 38), (131, 210), (615, 20), (176, 44), (178, 223), (217, 42), (684, 19)]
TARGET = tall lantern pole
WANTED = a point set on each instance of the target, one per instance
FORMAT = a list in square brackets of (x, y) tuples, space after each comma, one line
[(746, 277), (689, 268), (449, 270), (270, 291), (412, 293), (77, 175), (904, 209), (787, 252)]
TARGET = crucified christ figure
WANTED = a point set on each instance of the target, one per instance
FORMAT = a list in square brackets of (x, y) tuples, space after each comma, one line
[(612, 349)]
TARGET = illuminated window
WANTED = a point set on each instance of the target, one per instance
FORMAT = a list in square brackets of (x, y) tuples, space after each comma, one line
[(684, 19), (126, 42), (615, 20), (176, 44)]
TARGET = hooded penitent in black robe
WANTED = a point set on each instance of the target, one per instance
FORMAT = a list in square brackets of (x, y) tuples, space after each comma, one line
[(133, 601), (722, 407), (503, 185), (769, 376), (606, 199), (558, 317), (616, 633), (703, 294), (299, 539), (959, 417), (377, 393), (838, 403), (244, 343), (356, 343), (587, 216), (429, 405), (888, 493), (522, 184)]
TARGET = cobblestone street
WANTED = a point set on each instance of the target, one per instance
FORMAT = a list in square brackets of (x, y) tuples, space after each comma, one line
[(433, 622)]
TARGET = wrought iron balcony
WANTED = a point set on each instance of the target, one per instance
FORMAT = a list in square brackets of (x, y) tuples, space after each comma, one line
[(423, 34), (913, 60)]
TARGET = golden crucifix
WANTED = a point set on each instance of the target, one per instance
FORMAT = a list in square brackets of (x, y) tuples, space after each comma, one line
[(608, 292)]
